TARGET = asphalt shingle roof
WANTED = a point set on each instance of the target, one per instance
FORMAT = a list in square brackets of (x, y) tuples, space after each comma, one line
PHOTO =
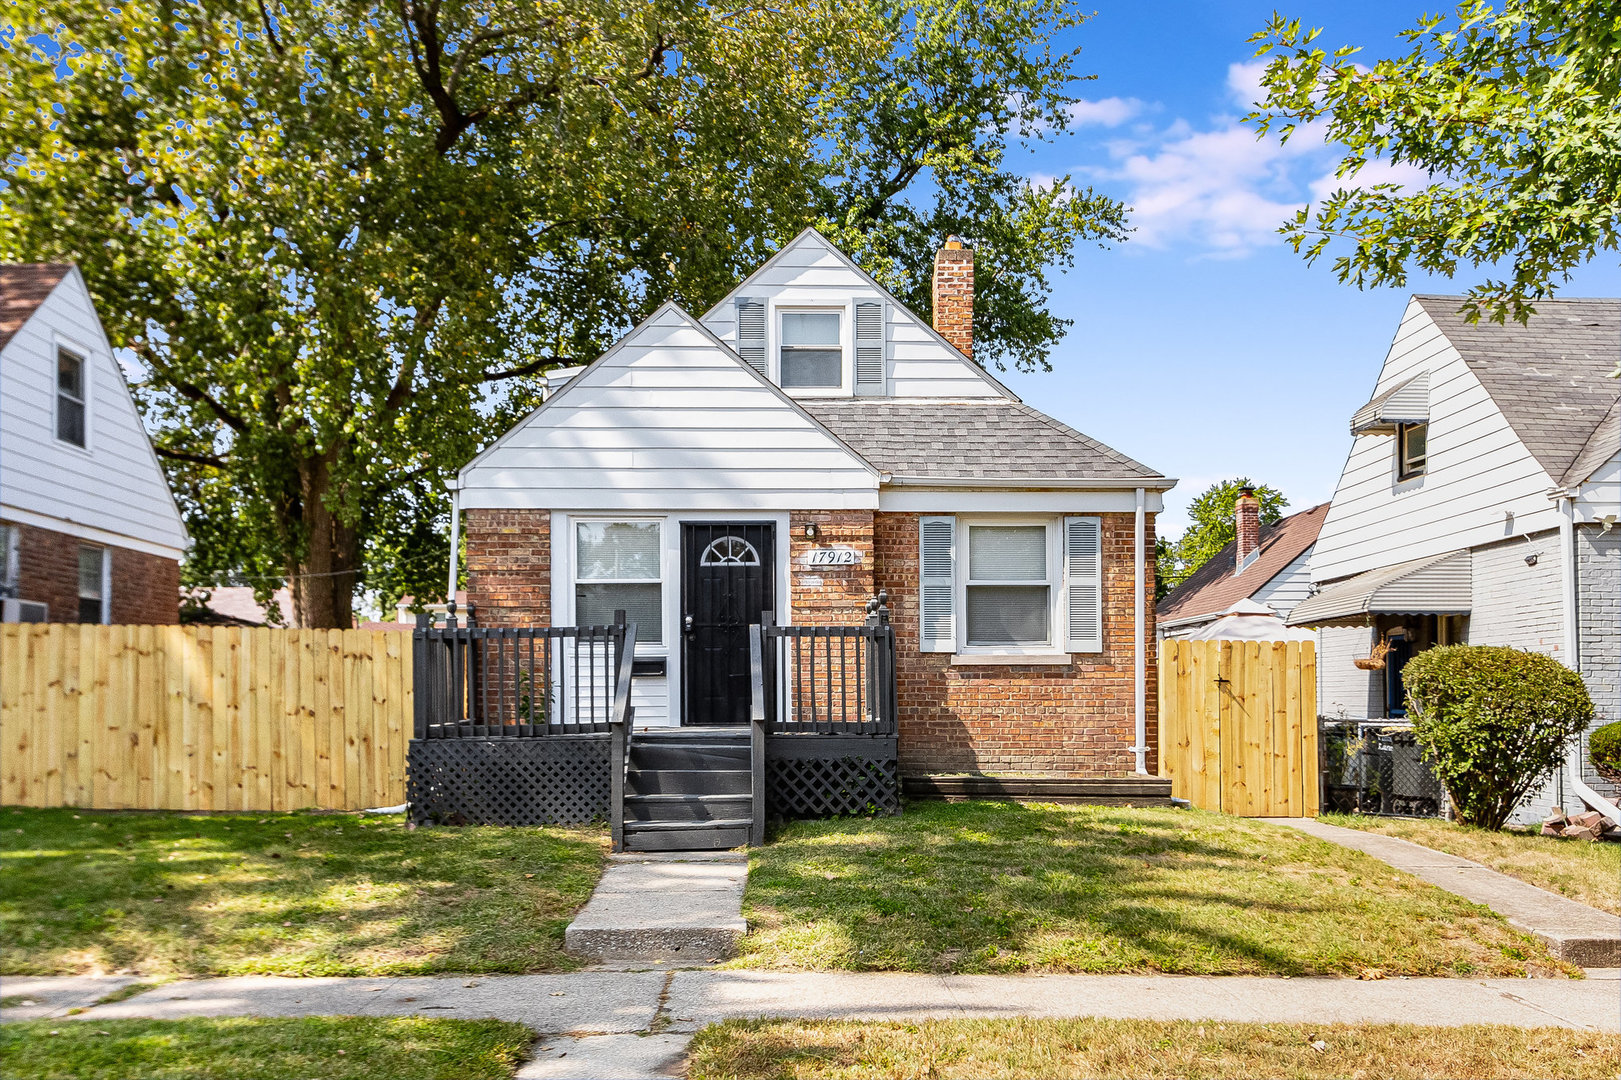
[(980, 439), (23, 287), (1549, 376), (1213, 588)]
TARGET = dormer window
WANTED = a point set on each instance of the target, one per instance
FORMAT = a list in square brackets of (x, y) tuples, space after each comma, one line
[(70, 398), (811, 356), (1412, 444)]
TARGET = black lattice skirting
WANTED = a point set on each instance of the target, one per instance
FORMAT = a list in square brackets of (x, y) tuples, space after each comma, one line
[(814, 776), (549, 780)]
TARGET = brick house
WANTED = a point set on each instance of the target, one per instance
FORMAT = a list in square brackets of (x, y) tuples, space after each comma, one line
[(1478, 505), (89, 530), (826, 444)]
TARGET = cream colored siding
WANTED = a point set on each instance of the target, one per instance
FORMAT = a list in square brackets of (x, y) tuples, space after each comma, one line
[(113, 488), (668, 420), (1343, 689), (1477, 470), (1288, 586), (809, 273)]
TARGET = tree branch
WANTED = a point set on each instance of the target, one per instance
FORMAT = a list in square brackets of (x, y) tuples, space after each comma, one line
[(196, 459), (189, 389)]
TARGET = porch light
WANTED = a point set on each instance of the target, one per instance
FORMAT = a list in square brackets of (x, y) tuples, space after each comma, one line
[(811, 531)]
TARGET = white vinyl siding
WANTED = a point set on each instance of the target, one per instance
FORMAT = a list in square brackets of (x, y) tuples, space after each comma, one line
[(1288, 586), (808, 274), (113, 489), (668, 421), (1476, 469)]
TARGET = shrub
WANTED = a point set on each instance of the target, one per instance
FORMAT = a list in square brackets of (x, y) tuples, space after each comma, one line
[(1495, 723), (1604, 748)]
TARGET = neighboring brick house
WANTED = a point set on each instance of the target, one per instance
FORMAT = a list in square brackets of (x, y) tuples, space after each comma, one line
[(812, 428), (89, 530), (1478, 504)]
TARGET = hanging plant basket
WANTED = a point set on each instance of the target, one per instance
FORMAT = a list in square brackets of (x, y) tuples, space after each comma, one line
[(1374, 661)]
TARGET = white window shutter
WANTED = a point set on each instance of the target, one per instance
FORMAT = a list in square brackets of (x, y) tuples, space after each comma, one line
[(1083, 580), (937, 584), (872, 329), (751, 333)]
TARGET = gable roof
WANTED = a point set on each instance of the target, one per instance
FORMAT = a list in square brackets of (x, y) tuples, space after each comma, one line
[(23, 287), (1548, 376), (810, 235), (979, 439), (1212, 589)]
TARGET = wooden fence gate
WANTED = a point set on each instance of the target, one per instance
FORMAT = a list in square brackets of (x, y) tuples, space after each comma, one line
[(1238, 725)]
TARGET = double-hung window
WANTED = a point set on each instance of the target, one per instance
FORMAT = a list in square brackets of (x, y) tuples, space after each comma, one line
[(811, 353), (93, 584), (1008, 591), (617, 566), (1412, 449), (70, 398)]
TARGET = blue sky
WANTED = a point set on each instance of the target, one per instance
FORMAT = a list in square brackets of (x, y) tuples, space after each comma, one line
[(1204, 346)]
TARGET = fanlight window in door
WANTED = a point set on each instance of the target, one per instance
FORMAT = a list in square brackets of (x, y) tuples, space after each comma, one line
[(729, 551)]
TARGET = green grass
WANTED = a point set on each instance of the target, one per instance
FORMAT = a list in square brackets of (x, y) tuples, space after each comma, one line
[(1000, 887), (1586, 872), (284, 894), (1141, 1050), (243, 1048)]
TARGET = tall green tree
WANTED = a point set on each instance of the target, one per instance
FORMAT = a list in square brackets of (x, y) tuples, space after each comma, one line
[(1212, 528), (1513, 109), (341, 239)]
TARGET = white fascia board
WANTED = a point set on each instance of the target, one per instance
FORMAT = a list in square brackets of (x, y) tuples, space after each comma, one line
[(88, 532), (1013, 501)]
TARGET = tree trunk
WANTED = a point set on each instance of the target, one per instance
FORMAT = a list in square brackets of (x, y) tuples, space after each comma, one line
[(323, 584)]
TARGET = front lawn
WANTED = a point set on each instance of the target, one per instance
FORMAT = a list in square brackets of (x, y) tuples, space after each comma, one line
[(1586, 872), (1001, 887), (161, 894), (1141, 1050), (244, 1048)]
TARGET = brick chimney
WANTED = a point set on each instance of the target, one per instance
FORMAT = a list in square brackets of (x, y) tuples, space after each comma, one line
[(954, 294), (1247, 522)]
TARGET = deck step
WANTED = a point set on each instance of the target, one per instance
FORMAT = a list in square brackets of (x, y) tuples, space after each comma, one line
[(1102, 791), (684, 808), (688, 782), (718, 835), (661, 754)]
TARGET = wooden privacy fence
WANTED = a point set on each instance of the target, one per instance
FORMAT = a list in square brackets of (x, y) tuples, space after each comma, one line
[(203, 718), (1238, 725)]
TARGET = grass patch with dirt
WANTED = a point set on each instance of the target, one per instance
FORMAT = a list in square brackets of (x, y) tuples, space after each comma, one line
[(247, 1048), (1141, 1050), (166, 894), (1586, 872), (1003, 887)]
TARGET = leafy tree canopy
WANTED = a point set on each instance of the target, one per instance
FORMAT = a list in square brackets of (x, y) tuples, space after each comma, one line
[(1212, 529), (342, 239), (1513, 110)]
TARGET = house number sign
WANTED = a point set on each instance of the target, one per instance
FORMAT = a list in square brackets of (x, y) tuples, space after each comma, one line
[(833, 557)]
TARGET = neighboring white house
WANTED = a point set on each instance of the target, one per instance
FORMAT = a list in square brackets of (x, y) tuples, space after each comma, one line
[(1478, 504), (88, 526)]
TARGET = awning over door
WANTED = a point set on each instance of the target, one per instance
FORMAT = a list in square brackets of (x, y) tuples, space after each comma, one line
[(1438, 585)]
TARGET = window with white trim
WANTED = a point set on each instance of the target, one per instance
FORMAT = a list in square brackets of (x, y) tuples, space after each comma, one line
[(811, 350), (70, 398), (618, 565), (1008, 590), (93, 584)]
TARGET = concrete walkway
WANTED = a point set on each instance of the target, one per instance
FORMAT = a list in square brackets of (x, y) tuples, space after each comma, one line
[(637, 1023), (672, 907), (1573, 932)]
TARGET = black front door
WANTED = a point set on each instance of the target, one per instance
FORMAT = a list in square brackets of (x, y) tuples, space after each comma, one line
[(726, 583)]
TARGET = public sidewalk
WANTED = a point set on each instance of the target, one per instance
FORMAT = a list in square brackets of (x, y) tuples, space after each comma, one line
[(1574, 932), (630, 1024)]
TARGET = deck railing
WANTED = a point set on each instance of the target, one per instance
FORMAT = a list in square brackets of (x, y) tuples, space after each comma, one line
[(523, 682), (828, 680)]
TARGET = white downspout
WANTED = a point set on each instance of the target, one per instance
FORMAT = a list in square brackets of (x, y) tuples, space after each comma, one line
[(1138, 613), (454, 485), (1573, 655)]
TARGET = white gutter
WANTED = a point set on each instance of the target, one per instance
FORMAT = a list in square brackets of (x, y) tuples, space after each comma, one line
[(1024, 483), (1138, 614), (1573, 656), (455, 537)]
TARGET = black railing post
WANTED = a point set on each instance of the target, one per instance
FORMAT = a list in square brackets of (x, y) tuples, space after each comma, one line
[(757, 713), (421, 699)]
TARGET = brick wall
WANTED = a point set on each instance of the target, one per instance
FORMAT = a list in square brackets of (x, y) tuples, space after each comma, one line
[(1075, 719), (830, 595), (953, 295), (145, 588), (1515, 604), (509, 566)]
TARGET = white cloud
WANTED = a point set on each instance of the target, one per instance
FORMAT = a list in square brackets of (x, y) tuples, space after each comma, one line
[(1106, 112), (1244, 83)]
